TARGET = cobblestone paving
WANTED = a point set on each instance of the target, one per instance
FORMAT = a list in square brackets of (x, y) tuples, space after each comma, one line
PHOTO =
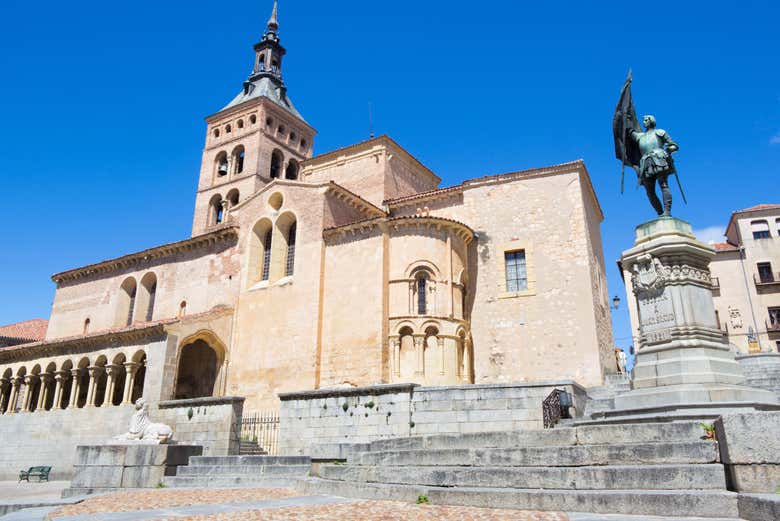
[(382, 511), (154, 499)]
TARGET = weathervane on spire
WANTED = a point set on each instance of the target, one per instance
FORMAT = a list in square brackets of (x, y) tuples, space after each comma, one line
[(273, 22)]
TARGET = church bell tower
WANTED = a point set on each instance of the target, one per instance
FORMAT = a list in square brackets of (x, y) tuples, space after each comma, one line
[(257, 138)]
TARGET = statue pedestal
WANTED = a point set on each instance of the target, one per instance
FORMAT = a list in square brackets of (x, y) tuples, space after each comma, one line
[(112, 467), (682, 357)]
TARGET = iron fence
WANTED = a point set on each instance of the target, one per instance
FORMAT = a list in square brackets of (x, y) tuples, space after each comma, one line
[(259, 433)]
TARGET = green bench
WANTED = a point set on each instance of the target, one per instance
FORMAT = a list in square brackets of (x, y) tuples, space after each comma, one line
[(42, 473)]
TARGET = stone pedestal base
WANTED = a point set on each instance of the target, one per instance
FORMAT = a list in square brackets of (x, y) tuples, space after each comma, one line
[(104, 468), (682, 356)]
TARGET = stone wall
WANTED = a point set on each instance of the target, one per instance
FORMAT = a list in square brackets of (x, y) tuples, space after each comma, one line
[(329, 417), (762, 370), (50, 437), (209, 422)]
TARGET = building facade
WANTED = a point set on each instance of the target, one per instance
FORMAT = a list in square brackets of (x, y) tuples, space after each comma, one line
[(746, 269), (347, 268)]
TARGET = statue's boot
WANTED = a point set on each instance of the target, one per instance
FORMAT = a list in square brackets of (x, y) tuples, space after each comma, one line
[(653, 197)]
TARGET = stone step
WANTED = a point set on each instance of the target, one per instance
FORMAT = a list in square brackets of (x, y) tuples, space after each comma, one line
[(694, 452), (695, 503), (229, 482), (249, 460), (245, 470), (586, 435), (598, 405), (648, 477)]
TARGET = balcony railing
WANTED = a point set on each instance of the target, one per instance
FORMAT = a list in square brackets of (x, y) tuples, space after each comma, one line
[(762, 279)]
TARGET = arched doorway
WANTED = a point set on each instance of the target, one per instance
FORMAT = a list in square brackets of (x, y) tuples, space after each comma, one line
[(198, 371)]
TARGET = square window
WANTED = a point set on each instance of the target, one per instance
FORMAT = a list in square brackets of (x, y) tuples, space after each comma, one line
[(765, 274), (774, 318), (516, 272)]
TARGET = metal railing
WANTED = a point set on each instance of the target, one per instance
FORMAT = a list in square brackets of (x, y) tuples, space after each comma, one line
[(766, 278), (555, 407), (259, 433)]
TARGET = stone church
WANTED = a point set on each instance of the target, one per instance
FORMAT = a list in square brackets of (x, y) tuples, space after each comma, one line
[(347, 268)]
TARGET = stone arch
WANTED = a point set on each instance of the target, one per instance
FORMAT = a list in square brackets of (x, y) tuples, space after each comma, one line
[(126, 302), (33, 388), (216, 211), (292, 170), (277, 160), (139, 376), (100, 384), (66, 374), (422, 291), (5, 390), (432, 355), (221, 165), (260, 247), (199, 371), (233, 197), (238, 156), (118, 379), (422, 264), (48, 386), (147, 295), (82, 383), (407, 353)]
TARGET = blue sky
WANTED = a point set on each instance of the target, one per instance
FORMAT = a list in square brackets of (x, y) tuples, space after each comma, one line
[(103, 107)]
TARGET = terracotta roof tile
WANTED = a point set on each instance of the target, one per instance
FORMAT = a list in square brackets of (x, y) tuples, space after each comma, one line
[(32, 330), (724, 246), (760, 207)]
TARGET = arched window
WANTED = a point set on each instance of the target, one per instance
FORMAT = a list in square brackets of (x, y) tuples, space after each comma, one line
[(126, 302), (87, 321), (182, 308), (148, 295), (232, 197), (266, 268), (119, 377), (292, 169), (222, 164), (252, 119), (101, 381), (292, 138), (760, 229), (421, 283), (275, 66), (432, 355), (240, 123), (407, 359), (269, 122), (66, 370), (260, 252), (82, 383), (216, 132), (139, 378), (238, 159), (290, 260), (303, 144), (276, 164), (261, 62), (228, 129), (215, 210)]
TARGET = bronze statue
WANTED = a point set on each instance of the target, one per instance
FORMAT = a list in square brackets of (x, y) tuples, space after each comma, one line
[(649, 153)]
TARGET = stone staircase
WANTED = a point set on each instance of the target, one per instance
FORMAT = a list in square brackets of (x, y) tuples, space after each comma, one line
[(662, 469), (601, 399), (240, 471)]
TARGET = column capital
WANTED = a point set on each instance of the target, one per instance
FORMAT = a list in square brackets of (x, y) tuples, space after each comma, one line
[(62, 373), (113, 369), (75, 372), (16, 381), (95, 370), (30, 378), (132, 367), (5, 380), (47, 377)]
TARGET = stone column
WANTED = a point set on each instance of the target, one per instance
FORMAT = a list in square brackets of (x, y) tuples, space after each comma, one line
[(419, 347), (467, 361), (113, 371), (395, 357), (440, 341), (74, 389), (94, 372), (5, 383), (59, 379), (131, 368), (15, 383), (28, 380), (43, 394), (225, 209)]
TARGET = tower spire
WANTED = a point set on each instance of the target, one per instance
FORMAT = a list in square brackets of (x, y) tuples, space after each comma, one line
[(273, 22)]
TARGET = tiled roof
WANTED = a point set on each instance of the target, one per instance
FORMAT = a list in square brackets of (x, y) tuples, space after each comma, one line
[(724, 246), (760, 207), (31, 330)]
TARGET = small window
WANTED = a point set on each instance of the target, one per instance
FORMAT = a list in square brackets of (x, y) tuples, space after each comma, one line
[(269, 122), (280, 131), (276, 164), (86, 326), (516, 272), (774, 318), (261, 62), (240, 123), (422, 285), (216, 132), (760, 229), (222, 164), (252, 119), (228, 129), (777, 346), (303, 144), (292, 137), (292, 170), (182, 308), (765, 274), (275, 66), (266, 256)]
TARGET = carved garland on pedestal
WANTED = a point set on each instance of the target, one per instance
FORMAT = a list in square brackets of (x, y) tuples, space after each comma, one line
[(650, 274)]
